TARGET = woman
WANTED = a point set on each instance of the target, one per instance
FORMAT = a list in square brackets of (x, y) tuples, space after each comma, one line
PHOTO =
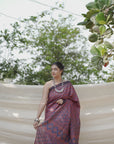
[(62, 113)]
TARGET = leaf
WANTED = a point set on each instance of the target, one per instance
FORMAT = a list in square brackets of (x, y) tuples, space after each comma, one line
[(95, 28), (103, 3), (100, 18), (108, 32), (84, 15), (92, 12), (91, 5), (89, 24), (95, 51), (102, 29), (108, 45), (108, 17), (93, 37), (102, 50), (82, 23), (97, 61)]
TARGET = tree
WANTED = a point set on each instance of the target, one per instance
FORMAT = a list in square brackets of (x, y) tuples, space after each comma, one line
[(100, 21), (48, 39), (9, 69)]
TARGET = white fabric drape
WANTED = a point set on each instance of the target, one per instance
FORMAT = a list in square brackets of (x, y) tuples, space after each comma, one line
[(19, 103)]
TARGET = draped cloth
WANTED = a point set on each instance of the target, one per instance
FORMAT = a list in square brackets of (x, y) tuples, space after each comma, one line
[(62, 121)]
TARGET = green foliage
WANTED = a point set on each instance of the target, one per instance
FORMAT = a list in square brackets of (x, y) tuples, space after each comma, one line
[(9, 69), (98, 4), (100, 21), (102, 29), (100, 18), (93, 37), (95, 51), (91, 5), (48, 40), (108, 45)]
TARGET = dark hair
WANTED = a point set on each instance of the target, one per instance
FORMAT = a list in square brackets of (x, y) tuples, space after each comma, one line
[(59, 65)]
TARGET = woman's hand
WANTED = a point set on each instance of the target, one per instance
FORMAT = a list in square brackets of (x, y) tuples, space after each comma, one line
[(36, 124), (60, 101)]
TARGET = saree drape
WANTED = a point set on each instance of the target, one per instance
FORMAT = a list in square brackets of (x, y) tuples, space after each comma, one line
[(62, 121)]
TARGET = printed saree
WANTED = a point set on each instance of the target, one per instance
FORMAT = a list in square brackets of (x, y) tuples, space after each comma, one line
[(62, 121)]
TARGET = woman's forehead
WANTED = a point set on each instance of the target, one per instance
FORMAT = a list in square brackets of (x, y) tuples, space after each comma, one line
[(54, 66)]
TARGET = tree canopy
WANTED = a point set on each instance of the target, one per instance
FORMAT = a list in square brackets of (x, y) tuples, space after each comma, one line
[(46, 39)]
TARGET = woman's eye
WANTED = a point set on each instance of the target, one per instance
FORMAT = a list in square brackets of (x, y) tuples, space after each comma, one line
[(55, 69)]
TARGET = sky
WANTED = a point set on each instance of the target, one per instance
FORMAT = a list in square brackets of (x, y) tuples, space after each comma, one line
[(13, 10)]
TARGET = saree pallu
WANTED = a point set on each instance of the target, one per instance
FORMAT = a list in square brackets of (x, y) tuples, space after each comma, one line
[(62, 121)]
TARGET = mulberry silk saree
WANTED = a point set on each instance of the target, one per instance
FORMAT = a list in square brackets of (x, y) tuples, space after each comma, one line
[(62, 121)]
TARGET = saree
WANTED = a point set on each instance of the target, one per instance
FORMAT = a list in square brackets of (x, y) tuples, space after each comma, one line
[(62, 121)]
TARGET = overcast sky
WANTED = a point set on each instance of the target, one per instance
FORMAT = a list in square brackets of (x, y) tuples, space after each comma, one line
[(10, 10)]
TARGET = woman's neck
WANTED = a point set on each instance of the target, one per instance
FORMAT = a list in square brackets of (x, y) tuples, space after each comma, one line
[(58, 80)]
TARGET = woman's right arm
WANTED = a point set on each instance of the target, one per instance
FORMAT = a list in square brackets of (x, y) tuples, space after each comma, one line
[(44, 99), (42, 103)]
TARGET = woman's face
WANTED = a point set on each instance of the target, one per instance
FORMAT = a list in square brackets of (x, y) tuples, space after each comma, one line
[(55, 71)]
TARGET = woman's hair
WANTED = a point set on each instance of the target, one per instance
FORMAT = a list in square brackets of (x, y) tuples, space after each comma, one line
[(59, 65)]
